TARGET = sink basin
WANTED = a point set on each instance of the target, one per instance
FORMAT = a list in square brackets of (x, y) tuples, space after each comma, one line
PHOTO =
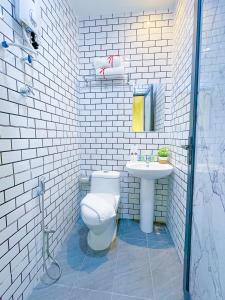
[(148, 172), (153, 170)]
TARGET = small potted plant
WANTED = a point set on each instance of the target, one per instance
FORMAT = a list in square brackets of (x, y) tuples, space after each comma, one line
[(163, 155)]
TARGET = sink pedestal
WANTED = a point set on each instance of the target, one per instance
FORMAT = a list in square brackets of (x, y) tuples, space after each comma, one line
[(148, 172), (147, 197)]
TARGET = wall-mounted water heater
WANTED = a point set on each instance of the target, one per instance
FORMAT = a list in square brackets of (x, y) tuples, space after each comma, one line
[(27, 15)]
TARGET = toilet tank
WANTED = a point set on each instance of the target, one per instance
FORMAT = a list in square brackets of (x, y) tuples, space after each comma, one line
[(105, 182)]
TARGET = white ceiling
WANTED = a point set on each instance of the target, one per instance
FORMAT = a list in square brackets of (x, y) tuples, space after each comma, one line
[(85, 8)]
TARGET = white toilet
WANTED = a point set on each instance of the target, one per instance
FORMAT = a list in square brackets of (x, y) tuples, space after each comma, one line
[(99, 208)]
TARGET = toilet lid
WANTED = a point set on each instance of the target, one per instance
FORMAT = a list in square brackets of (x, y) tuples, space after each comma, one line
[(97, 208)]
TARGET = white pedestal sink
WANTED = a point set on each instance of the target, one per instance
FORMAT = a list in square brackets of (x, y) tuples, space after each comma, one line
[(148, 172)]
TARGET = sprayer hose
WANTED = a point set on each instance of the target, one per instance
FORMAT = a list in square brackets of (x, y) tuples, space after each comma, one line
[(45, 249), (54, 262)]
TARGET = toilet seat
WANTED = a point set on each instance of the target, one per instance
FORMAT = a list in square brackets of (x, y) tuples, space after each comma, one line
[(97, 208)]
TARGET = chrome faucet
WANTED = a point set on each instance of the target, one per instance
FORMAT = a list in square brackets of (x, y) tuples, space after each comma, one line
[(146, 158), (150, 158)]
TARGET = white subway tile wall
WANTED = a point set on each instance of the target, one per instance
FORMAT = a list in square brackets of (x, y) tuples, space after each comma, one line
[(180, 120), (39, 137), (145, 42), (68, 129)]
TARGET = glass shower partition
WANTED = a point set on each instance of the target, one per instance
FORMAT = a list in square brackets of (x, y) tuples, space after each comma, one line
[(207, 259)]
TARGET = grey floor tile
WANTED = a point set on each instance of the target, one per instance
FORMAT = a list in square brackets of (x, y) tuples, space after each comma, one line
[(84, 294), (132, 254), (165, 258), (71, 258), (46, 282), (137, 283), (133, 243), (130, 229), (73, 265), (167, 273), (68, 279), (167, 280), (158, 240), (108, 253), (70, 261), (52, 292), (97, 272), (122, 297), (173, 291), (135, 264), (76, 242)]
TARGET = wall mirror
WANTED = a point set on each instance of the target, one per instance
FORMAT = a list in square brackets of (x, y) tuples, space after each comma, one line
[(148, 108)]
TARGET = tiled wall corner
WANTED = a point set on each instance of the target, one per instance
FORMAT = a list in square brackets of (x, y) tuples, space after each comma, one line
[(180, 120), (39, 136)]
